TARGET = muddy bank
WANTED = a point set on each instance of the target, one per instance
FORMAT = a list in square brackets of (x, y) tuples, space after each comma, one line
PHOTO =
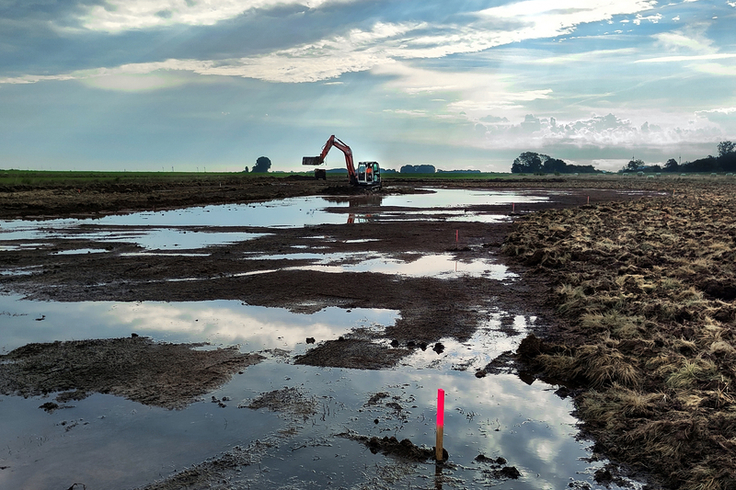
[(646, 293), (136, 368)]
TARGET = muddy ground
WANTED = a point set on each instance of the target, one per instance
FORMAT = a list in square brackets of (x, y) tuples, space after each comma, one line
[(429, 308)]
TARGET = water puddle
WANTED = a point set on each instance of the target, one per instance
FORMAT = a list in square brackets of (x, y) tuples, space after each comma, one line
[(105, 441), (181, 229), (222, 322), (489, 341), (442, 266), (78, 251)]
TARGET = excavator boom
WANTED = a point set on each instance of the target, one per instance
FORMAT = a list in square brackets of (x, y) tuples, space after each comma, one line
[(333, 141)]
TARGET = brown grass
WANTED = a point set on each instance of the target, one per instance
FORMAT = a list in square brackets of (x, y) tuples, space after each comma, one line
[(647, 293)]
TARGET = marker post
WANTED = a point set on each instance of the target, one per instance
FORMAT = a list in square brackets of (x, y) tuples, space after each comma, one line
[(440, 424)]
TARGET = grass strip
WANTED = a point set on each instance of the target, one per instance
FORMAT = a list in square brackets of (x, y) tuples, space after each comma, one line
[(645, 290)]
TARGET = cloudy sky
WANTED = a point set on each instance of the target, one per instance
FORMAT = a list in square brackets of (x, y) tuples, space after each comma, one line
[(214, 84)]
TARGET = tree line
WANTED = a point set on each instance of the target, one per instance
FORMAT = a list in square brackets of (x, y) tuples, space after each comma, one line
[(724, 162), (530, 162)]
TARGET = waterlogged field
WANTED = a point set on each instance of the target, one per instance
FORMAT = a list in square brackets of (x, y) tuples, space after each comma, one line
[(408, 291)]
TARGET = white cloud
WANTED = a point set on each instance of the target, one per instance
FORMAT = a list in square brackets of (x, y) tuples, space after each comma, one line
[(584, 57), (725, 116), (122, 15), (354, 51), (542, 18), (474, 95), (716, 69), (691, 39), (597, 131), (326, 59), (720, 110), (700, 57), (654, 19), (692, 46), (34, 79)]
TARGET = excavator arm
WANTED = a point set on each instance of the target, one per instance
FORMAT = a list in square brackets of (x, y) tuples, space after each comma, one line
[(319, 160)]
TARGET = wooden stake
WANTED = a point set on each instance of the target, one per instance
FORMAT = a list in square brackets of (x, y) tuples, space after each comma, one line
[(439, 450)]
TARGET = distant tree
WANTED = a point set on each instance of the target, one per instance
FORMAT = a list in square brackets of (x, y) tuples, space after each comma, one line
[(417, 169), (726, 147), (553, 165), (634, 165), (707, 164), (246, 169), (671, 165), (527, 163), (262, 165), (459, 171), (727, 156)]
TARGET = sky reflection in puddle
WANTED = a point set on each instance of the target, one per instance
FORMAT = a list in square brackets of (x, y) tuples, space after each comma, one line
[(221, 322), (495, 416), (442, 266), (488, 342)]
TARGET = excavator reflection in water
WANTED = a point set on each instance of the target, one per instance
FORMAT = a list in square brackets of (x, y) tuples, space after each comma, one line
[(368, 174)]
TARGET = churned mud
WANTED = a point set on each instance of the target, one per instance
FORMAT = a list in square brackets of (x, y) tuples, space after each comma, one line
[(637, 295)]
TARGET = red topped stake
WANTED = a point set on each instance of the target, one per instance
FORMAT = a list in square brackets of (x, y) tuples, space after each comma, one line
[(440, 424)]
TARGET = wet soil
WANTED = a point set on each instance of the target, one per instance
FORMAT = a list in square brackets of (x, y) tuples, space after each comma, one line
[(430, 308), (158, 374)]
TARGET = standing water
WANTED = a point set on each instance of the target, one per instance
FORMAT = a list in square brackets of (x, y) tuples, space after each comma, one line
[(492, 424)]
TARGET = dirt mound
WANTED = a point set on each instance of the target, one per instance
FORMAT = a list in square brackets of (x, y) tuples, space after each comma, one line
[(352, 353), (137, 368), (290, 401)]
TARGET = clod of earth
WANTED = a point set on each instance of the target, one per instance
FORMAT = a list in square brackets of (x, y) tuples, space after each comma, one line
[(351, 353), (499, 470), (390, 446), (137, 368), (289, 401)]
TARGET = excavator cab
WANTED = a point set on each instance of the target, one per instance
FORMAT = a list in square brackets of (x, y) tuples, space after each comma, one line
[(369, 173)]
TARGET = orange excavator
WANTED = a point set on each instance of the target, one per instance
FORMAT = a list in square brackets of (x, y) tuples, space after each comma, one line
[(368, 174)]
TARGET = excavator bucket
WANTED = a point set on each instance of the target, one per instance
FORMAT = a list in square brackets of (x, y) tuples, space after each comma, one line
[(311, 161)]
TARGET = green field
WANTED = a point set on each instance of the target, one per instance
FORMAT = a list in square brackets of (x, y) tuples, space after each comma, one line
[(52, 178)]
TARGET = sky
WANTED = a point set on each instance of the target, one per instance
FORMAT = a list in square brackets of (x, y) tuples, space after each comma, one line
[(211, 85)]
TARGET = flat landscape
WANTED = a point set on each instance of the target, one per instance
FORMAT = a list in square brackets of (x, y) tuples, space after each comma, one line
[(611, 295)]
